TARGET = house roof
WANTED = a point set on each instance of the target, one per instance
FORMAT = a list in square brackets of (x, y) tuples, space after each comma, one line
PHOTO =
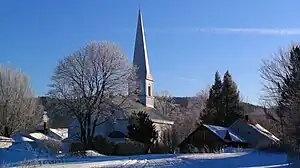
[(5, 139), (258, 128), (222, 131), (265, 132), (22, 138), (60, 133)]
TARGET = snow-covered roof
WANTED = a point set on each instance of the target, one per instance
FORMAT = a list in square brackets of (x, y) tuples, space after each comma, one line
[(5, 139), (61, 132), (262, 130), (221, 132), (21, 138), (39, 136)]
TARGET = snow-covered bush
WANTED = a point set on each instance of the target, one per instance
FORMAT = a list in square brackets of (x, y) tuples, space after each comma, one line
[(103, 145), (52, 146), (130, 148)]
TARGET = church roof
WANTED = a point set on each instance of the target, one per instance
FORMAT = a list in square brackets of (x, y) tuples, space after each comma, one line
[(132, 106)]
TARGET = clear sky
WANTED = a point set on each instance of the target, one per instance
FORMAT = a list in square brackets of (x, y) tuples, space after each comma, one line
[(188, 41)]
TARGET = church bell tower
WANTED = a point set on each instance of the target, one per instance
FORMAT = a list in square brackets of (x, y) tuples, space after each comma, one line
[(140, 60)]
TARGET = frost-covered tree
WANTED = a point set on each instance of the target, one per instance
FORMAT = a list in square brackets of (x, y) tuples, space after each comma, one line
[(19, 109), (92, 83)]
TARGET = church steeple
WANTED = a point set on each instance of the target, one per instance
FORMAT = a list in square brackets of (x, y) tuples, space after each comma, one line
[(140, 60)]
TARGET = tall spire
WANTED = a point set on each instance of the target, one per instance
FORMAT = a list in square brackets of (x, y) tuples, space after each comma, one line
[(140, 50), (140, 60)]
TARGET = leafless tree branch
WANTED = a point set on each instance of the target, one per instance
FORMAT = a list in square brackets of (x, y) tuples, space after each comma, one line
[(94, 83)]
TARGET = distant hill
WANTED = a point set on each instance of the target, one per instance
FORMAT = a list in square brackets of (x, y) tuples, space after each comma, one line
[(254, 111)]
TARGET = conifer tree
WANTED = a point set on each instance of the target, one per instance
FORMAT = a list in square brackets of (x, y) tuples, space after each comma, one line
[(211, 113), (231, 108), (142, 128)]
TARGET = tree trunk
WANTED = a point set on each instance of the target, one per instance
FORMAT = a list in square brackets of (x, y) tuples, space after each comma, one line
[(6, 133), (84, 135), (89, 134), (94, 127)]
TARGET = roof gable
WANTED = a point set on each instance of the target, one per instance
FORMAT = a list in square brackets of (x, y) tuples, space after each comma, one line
[(224, 133), (256, 127)]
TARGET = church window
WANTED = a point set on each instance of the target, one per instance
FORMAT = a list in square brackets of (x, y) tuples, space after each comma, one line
[(149, 90)]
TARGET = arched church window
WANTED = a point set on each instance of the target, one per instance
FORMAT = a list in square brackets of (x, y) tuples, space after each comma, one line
[(149, 90)]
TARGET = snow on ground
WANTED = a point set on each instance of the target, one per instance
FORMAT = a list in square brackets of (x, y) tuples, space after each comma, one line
[(211, 160), (246, 159)]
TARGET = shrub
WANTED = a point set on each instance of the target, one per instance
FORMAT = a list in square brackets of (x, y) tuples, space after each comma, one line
[(159, 148), (189, 148), (103, 145), (76, 147), (130, 148), (117, 134), (51, 145)]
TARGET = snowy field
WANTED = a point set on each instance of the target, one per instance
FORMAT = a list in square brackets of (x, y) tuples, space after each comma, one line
[(191, 160), (238, 159)]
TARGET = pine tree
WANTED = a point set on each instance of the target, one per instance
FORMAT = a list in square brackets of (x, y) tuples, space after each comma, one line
[(231, 108), (211, 114), (142, 128)]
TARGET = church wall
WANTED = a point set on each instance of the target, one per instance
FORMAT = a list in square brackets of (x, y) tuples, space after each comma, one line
[(121, 125), (103, 129)]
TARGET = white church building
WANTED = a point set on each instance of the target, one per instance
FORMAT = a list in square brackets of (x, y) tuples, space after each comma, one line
[(120, 120)]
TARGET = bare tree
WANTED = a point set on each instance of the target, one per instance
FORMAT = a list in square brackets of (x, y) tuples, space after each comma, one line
[(188, 117), (92, 83), (19, 108), (274, 72), (281, 77), (165, 103), (197, 104)]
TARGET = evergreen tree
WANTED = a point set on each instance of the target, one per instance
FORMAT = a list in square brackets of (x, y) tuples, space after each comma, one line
[(142, 129), (211, 113), (231, 108)]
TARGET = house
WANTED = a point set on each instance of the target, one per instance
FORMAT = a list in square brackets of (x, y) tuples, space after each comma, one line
[(119, 121), (208, 138), (256, 135), (5, 142)]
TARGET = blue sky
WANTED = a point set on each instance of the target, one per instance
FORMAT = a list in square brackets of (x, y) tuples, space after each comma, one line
[(187, 42)]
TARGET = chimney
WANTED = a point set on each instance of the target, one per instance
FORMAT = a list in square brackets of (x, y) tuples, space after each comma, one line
[(45, 128), (45, 121), (6, 131)]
